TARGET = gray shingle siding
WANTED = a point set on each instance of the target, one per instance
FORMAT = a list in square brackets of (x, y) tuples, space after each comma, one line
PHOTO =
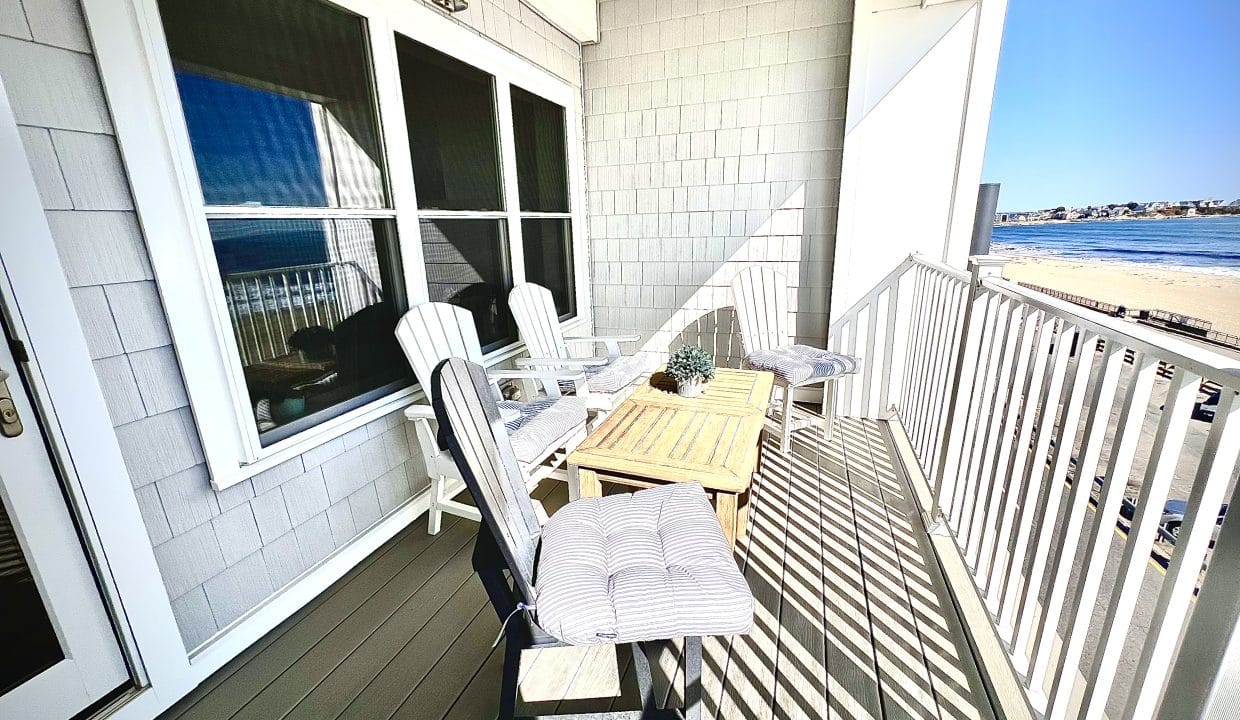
[(714, 137), (220, 553)]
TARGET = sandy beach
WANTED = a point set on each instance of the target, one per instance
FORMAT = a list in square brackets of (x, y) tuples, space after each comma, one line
[(1210, 297)]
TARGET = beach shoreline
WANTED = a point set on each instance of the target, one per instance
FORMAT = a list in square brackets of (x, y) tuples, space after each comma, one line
[(1211, 297)]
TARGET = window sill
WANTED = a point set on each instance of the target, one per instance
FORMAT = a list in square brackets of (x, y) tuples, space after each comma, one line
[(336, 427)]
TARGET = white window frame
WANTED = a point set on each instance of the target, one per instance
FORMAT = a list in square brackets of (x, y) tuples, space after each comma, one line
[(155, 145)]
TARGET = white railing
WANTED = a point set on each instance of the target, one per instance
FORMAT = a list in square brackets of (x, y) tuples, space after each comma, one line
[(1009, 397), (268, 306)]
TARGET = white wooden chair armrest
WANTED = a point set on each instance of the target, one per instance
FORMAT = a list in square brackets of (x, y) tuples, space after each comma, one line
[(426, 413), (571, 362), (549, 379), (611, 342)]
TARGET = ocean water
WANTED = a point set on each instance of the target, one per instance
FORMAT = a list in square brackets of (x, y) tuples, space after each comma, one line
[(1206, 244)]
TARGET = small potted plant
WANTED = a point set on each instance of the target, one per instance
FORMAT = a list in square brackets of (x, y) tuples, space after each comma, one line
[(691, 367)]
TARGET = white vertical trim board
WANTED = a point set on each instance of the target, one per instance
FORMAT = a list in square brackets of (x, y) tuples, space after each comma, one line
[(77, 422), (136, 70)]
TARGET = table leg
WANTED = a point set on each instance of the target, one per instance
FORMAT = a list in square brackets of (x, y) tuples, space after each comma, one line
[(588, 484), (742, 515), (725, 510)]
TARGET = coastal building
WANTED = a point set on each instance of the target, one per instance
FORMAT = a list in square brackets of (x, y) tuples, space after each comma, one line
[(214, 502)]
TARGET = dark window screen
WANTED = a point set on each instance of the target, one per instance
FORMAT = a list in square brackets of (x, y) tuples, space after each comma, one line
[(542, 166), (549, 260), (450, 111), (467, 265)]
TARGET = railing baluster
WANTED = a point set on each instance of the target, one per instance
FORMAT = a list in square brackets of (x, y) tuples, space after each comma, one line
[(928, 338), (993, 309), (988, 423), (914, 357), (1169, 439), (871, 348), (1110, 496), (889, 346), (1065, 439), (948, 330), (1051, 390), (1214, 472), (1035, 355), (1100, 404), (965, 368), (998, 439)]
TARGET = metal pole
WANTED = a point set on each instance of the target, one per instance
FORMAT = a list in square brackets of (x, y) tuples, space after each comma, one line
[(984, 218)]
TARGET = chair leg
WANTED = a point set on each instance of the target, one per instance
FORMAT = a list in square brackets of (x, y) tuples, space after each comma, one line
[(693, 678), (434, 515), (785, 437), (645, 681), (509, 686), (828, 407)]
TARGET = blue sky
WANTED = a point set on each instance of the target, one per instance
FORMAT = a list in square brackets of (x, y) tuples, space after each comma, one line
[(1115, 100)]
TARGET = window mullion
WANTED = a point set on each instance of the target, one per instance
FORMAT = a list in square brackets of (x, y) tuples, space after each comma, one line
[(508, 163), (400, 165)]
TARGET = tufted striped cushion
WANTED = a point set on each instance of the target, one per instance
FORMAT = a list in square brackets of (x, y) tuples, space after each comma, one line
[(796, 364), (615, 376), (648, 565), (540, 423)]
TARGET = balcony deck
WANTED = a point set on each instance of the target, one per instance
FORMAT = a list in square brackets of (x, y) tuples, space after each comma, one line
[(852, 619)]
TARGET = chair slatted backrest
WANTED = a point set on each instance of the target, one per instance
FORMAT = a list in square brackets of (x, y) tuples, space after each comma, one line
[(760, 295), (433, 332), (465, 407), (533, 308)]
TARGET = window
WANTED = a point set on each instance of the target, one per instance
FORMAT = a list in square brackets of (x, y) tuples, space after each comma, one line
[(542, 181), (280, 107), (450, 109), (304, 171)]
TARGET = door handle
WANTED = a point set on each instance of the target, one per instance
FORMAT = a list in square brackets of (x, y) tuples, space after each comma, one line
[(10, 421)]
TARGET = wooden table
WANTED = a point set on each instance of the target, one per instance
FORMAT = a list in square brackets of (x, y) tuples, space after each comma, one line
[(656, 437)]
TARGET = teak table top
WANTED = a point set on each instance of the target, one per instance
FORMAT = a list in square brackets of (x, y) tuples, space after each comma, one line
[(711, 439)]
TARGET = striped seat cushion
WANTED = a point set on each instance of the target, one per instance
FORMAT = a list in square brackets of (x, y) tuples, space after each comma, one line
[(796, 364), (648, 565), (616, 376), (540, 424)]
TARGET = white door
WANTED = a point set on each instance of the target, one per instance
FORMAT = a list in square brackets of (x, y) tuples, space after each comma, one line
[(58, 651)]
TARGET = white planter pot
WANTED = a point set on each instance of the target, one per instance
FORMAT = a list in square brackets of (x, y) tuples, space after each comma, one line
[(690, 388)]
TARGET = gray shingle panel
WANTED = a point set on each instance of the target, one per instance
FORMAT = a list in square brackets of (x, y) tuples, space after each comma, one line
[(393, 489), (139, 314), (187, 561), (233, 495), (305, 496), (314, 538), (100, 247), (237, 589), (95, 316), (53, 88), (275, 476), (58, 22), (188, 499), (340, 521), (283, 559), (365, 506), (93, 170), (344, 474), (194, 618), (237, 533), (271, 515), (13, 20), (153, 517), (159, 446), (159, 379), (120, 389), (44, 165)]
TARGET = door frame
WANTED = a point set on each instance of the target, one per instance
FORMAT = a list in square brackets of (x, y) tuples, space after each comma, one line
[(79, 430)]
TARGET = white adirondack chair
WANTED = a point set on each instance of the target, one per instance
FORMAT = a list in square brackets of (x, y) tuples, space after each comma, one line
[(543, 431), (607, 380), (760, 295)]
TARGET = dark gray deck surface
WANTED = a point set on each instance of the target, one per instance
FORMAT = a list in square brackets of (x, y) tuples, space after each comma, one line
[(852, 619)]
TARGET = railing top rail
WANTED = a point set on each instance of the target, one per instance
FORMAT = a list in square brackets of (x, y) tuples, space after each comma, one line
[(956, 273), (1202, 361), (293, 268)]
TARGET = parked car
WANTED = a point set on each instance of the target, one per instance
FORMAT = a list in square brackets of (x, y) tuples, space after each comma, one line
[(1173, 517)]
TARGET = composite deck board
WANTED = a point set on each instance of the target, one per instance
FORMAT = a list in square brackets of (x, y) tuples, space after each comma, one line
[(853, 620)]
